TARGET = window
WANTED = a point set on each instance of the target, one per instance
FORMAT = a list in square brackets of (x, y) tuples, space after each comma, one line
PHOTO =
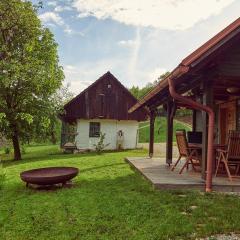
[(94, 129)]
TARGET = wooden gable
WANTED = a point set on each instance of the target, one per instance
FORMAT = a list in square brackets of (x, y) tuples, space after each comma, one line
[(106, 98)]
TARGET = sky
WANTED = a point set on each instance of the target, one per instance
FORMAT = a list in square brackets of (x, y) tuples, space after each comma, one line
[(136, 40)]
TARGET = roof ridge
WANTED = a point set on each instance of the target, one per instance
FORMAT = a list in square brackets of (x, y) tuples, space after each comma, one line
[(84, 90), (108, 73), (211, 42)]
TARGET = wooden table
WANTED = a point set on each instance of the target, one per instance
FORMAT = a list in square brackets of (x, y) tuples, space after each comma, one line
[(199, 145), (215, 147)]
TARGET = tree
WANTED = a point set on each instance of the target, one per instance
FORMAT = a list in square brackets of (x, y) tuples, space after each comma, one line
[(47, 125), (29, 70), (56, 103), (140, 92)]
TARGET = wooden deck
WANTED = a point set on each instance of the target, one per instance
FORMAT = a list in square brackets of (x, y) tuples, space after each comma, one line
[(159, 174)]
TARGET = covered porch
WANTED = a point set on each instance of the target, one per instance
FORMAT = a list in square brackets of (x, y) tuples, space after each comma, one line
[(159, 174), (207, 82)]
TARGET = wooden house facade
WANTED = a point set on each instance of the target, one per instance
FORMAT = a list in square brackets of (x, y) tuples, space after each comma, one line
[(103, 107), (208, 82)]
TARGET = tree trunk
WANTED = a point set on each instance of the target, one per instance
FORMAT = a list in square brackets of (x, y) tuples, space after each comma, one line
[(16, 145)]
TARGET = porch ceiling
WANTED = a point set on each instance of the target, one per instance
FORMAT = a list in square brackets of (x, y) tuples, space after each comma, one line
[(221, 86)]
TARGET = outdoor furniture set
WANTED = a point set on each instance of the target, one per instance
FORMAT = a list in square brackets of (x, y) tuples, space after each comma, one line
[(227, 157)]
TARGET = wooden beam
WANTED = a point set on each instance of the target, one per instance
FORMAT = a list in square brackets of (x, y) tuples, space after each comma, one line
[(169, 140), (194, 120), (63, 133), (164, 96), (151, 140)]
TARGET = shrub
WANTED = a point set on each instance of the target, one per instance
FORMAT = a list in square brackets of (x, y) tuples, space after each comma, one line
[(7, 150), (100, 146)]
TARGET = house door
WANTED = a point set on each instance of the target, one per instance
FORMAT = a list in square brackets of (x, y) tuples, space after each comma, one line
[(227, 120)]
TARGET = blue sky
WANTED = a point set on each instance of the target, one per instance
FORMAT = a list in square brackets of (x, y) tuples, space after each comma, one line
[(137, 40)]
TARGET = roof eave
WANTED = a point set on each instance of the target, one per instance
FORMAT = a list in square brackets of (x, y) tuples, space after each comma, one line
[(193, 59), (177, 72)]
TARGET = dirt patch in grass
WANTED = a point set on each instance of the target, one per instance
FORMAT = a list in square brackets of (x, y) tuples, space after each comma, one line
[(231, 236)]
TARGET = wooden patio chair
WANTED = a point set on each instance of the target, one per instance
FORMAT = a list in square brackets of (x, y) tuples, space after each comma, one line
[(189, 153), (230, 156)]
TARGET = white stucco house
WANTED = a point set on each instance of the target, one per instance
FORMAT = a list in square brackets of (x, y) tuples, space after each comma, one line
[(102, 107)]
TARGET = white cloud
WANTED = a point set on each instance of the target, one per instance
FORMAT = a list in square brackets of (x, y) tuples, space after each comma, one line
[(51, 17), (52, 3), (83, 15), (69, 68), (164, 14), (70, 31), (127, 43), (81, 75), (132, 66), (156, 73), (62, 8)]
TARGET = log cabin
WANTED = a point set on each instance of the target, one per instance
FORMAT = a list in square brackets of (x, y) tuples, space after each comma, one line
[(102, 107), (208, 82)]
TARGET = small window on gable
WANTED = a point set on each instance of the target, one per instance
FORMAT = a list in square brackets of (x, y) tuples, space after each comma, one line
[(94, 129)]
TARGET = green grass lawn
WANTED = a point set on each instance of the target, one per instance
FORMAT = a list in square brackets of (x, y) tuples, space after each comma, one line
[(160, 130), (109, 201)]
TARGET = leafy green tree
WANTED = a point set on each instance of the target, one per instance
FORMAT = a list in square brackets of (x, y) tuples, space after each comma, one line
[(140, 92), (29, 70), (48, 125)]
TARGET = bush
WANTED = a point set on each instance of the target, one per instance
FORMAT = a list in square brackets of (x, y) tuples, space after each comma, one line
[(100, 146), (7, 150)]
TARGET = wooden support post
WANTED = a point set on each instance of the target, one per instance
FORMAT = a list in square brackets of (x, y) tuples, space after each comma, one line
[(169, 136), (151, 140), (63, 134), (208, 101), (194, 120)]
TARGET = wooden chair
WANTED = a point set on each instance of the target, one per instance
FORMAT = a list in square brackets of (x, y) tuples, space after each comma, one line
[(189, 153), (230, 156)]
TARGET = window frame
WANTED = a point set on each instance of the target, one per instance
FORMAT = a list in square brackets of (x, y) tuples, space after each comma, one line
[(94, 129)]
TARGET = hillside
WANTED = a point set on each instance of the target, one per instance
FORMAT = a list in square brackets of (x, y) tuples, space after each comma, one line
[(160, 129)]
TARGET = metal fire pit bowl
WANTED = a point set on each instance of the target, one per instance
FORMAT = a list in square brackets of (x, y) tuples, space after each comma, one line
[(49, 176)]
